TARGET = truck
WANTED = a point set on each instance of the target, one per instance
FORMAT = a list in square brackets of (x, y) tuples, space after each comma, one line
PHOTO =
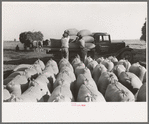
[(104, 47)]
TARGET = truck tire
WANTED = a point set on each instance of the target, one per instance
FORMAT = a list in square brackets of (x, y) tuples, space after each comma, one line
[(127, 55)]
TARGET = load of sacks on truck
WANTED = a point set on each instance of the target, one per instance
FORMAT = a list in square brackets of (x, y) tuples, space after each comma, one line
[(86, 40), (100, 80)]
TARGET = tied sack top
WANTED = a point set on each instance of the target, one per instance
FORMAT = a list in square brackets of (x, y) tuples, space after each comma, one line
[(65, 42)]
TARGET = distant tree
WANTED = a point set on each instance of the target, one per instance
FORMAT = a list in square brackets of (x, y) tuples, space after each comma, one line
[(40, 36), (22, 37), (143, 36), (27, 38)]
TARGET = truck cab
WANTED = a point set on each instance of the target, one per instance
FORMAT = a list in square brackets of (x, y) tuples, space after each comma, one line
[(106, 47)]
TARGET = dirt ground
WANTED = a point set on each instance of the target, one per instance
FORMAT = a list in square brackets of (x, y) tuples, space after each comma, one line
[(11, 58)]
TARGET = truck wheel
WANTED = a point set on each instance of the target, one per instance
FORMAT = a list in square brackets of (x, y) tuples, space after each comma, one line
[(127, 55)]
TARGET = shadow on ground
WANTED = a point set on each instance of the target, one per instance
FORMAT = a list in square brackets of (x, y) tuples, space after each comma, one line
[(26, 61)]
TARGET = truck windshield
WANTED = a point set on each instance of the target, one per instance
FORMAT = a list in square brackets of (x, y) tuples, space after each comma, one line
[(106, 38)]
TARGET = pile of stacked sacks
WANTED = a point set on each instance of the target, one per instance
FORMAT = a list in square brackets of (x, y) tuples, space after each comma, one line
[(100, 80), (83, 37)]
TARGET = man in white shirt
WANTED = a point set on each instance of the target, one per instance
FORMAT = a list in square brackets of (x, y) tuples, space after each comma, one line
[(65, 45)]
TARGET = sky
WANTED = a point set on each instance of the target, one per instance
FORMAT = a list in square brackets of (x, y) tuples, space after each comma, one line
[(122, 20)]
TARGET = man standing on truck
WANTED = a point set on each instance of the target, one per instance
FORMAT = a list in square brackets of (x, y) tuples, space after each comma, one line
[(65, 45)]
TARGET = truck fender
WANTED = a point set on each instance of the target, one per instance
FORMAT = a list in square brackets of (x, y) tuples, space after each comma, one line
[(124, 49)]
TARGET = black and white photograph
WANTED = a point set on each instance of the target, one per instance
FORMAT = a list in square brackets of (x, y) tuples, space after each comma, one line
[(74, 61)]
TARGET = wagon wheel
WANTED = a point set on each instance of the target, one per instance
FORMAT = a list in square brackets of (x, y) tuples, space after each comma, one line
[(127, 55)]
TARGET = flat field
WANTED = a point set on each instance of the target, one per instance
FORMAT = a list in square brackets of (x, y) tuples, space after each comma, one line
[(11, 58)]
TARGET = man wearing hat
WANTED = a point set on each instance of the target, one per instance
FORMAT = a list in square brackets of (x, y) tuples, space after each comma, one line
[(65, 45)]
